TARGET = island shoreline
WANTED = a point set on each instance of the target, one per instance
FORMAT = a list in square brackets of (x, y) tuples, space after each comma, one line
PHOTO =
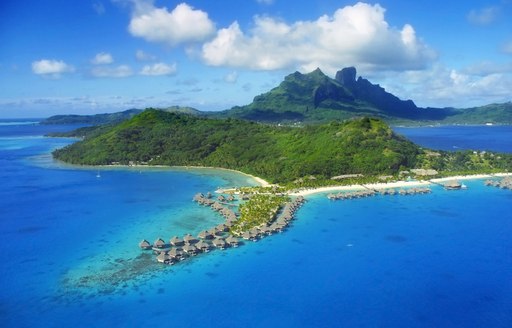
[(310, 191), (395, 184)]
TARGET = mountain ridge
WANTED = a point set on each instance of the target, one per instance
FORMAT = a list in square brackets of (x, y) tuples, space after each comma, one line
[(315, 98)]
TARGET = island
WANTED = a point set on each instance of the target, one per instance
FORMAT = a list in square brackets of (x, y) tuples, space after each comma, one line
[(359, 157)]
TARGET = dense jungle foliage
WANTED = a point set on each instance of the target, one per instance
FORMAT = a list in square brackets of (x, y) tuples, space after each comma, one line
[(277, 153)]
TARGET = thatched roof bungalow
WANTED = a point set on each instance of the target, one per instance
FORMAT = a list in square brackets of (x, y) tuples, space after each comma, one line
[(159, 243), (189, 239), (176, 241), (232, 241), (203, 246), (452, 185), (144, 244), (190, 249)]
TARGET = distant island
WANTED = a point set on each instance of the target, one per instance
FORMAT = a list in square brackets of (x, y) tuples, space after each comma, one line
[(316, 98)]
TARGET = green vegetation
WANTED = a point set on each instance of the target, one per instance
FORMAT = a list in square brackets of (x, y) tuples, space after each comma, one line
[(259, 210), (294, 157), (465, 162), (84, 132), (278, 154)]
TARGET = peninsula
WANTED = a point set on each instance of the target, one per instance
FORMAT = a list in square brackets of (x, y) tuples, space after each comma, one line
[(363, 156)]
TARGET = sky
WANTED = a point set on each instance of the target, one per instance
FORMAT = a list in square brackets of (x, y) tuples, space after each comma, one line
[(96, 56)]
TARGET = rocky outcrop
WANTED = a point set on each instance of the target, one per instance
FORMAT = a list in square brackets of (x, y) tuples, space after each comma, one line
[(374, 94)]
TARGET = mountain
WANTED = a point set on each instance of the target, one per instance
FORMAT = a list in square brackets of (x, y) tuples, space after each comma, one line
[(97, 119), (317, 98), (314, 97)]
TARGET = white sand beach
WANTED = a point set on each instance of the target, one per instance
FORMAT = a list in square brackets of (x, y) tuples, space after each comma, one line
[(396, 184), (377, 186)]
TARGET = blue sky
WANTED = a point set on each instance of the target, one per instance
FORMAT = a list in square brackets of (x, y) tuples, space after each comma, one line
[(86, 57)]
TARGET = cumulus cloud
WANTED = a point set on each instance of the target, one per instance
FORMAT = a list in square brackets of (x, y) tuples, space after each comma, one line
[(51, 67), (102, 58), (483, 16), (144, 56), (158, 69), (441, 86), (353, 35), (107, 71), (183, 24)]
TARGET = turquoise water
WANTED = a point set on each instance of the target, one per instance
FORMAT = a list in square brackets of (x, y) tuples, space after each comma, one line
[(69, 253)]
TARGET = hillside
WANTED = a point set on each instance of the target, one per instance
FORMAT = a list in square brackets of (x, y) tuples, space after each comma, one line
[(278, 154)]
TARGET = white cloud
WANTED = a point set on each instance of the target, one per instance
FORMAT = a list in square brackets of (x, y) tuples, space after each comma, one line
[(158, 69), (483, 16), (107, 71), (231, 77), (102, 58), (354, 35), (144, 56), (441, 87), (51, 67), (183, 24)]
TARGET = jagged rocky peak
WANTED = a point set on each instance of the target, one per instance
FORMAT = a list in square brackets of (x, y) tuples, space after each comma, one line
[(347, 76)]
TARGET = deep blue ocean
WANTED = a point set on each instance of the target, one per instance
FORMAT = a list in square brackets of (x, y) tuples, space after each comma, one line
[(461, 137), (69, 253)]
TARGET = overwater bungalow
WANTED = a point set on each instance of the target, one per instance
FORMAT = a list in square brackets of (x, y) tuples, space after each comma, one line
[(189, 239), (198, 197), (222, 228), (452, 185), (163, 258), (159, 243), (205, 235), (264, 230), (176, 253), (190, 249), (203, 246), (247, 235), (219, 243), (144, 244), (177, 241), (230, 198), (232, 241)]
